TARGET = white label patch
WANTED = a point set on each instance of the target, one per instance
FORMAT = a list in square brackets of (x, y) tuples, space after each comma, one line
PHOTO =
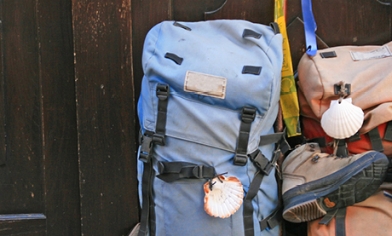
[(375, 54), (204, 84)]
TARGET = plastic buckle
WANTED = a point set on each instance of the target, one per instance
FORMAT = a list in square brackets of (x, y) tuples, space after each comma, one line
[(240, 159), (263, 163), (162, 91), (338, 89), (144, 157), (267, 168), (159, 139), (248, 114), (145, 148), (197, 171)]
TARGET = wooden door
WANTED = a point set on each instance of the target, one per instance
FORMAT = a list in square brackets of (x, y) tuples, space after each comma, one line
[(70, 73), (39, 176), (67, 138)]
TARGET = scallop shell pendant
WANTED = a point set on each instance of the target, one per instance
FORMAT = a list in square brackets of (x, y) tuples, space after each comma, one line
[(223, 196), (342, 119)]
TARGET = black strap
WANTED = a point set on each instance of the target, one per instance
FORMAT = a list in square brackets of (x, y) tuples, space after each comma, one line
[(341, 148), (247, 117), (388, 132), (147, 218), (278, 138), (271, 138), (340, 216), (322, 142), (147, 210), (355, 137), (340, 224), (162, 93), (172, 171), (375, 140), (328, 217), (265, 166), (272, 220), (247, 204)]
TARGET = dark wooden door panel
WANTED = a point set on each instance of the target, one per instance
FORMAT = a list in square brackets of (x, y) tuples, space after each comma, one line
[(39, 193), (22, 190), (23, 224), (105, 116), (2, 103), (58, 115)]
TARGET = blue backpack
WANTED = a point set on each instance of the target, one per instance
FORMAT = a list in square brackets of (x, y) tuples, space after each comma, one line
[(208, 103)]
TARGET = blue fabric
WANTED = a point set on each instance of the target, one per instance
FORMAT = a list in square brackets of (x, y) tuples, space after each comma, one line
[(202, 129), (310, 27)]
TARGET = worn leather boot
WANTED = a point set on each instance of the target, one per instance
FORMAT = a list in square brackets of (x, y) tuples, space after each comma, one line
[(316, 183)]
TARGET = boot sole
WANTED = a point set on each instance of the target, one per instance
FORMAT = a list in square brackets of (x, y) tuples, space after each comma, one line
[(353, 183)]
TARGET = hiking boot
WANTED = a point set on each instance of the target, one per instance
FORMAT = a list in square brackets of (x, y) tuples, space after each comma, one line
[(316, 183)]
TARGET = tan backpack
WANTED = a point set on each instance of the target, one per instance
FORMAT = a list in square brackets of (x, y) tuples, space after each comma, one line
[(372, 217), (362, 73)]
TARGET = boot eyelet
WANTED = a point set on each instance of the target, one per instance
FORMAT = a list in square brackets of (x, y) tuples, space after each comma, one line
[(316, 158)]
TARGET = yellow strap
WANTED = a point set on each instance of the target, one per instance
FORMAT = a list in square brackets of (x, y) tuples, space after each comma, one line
[(288, 91)]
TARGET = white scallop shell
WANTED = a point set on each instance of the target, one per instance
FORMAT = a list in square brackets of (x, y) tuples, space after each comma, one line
[(223, 196), (342, 119)]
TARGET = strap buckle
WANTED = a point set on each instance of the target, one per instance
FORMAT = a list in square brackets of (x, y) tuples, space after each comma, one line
[(145, 148), (162, 91), (262, 162), (240, 159), (248, 114), (158, 139), (172, 171), (198, 171)]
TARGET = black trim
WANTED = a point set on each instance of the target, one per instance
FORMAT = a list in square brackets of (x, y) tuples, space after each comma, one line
[(275, 27), (182, 26), (330, 54), (178, 60), (254, 70), (251, 33)]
